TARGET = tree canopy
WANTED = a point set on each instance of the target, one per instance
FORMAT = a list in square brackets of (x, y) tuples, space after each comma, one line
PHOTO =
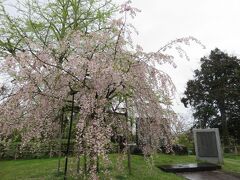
[(214, 94), (53, 51), (49, 22)]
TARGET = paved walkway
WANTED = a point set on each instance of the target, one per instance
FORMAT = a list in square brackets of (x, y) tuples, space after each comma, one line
[(208, 175)]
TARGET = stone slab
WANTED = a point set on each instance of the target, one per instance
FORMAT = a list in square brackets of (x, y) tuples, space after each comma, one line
[(189, 167)]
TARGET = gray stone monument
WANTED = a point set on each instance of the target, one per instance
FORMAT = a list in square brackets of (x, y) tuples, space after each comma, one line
[(208, 145)]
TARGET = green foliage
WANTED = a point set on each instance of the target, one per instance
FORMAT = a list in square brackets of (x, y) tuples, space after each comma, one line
[(183, 139), (214, 93), (50, 22)]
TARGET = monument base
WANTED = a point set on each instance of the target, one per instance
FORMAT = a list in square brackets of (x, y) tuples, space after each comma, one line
[(189, 167)]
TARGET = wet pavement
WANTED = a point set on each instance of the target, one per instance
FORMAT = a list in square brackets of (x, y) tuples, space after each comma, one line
[(208, 175)]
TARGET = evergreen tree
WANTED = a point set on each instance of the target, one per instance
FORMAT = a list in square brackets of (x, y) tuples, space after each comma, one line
[(214, 94)]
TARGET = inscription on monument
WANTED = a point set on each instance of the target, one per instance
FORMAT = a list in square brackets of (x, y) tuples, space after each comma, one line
[(207, 145)]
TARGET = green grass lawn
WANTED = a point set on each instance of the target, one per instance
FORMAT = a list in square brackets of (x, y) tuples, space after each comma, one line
[(231, 163), (47, 168)]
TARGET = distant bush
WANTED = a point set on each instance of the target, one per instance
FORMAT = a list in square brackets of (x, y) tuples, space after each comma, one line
[(176, 149), (179, 149), (136, 150), (33, 150), (114, 148), (185, 139)]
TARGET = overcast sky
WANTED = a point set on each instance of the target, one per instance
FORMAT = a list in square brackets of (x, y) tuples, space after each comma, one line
[(214, 22)]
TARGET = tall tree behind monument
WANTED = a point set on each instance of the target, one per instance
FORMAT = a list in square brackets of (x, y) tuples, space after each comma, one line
[(214, 94)]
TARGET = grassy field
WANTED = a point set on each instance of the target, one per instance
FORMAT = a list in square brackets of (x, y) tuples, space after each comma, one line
[(47, 168), (231, 163)]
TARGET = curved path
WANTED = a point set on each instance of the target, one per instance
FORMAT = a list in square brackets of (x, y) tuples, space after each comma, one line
[(208, 175)]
